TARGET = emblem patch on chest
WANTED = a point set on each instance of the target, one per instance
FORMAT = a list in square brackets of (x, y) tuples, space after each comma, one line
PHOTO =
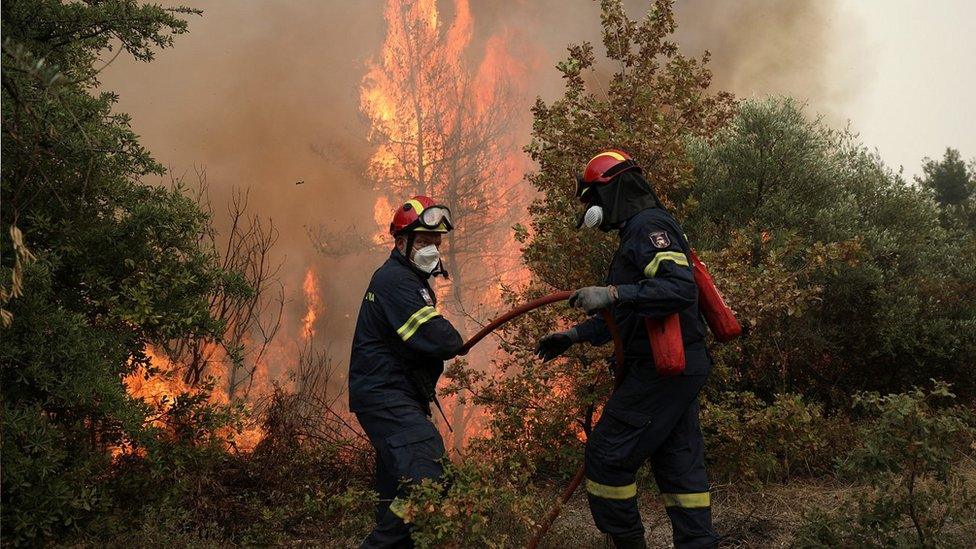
[(660, 239), (426, 297)]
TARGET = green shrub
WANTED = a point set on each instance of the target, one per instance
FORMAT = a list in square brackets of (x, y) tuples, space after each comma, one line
[(748, 439), (114, 264), (912, 492), (475, 504), (839, 268)]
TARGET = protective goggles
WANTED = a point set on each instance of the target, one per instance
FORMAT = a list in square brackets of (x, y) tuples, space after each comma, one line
[(433, 217)]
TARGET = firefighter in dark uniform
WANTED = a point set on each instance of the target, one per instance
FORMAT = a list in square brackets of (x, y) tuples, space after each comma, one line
[(650, 416), (398, 353)]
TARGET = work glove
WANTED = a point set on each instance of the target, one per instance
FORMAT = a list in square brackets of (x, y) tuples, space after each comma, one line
[(593, 298), (556, 344)]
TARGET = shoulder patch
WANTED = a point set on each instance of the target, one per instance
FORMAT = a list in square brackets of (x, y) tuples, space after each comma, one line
[(425, 295), (660, 239)]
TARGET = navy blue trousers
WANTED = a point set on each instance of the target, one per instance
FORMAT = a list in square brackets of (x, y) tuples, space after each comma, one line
[(651, 418), (408, 450)]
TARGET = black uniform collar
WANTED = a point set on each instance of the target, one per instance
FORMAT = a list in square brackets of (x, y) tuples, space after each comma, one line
[(402, 259)]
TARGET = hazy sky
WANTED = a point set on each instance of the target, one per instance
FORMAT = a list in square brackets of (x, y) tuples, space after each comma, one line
[(901, 71), (917, 78)]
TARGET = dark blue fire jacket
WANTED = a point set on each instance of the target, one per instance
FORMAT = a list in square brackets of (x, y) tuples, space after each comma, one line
[(401, 341), (653, 277)]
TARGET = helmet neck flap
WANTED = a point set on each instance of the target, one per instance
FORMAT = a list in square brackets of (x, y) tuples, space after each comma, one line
[(625, 195)]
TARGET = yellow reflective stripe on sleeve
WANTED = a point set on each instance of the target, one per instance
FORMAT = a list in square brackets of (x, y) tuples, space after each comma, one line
[(415, 321), (677, 257), (611, 492), (399, 508), (688, 501)]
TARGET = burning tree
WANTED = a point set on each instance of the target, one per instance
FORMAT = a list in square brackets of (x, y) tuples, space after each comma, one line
[(442, 129)]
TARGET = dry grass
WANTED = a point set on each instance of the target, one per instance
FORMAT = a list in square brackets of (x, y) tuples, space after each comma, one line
[(746, 516)]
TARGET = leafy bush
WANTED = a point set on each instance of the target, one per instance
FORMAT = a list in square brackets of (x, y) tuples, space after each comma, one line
[(856, 257), (908, 457), (475, 504), (748, 439), (98, 266)]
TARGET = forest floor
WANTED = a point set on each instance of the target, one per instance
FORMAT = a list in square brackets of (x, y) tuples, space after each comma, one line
[(746, 516)]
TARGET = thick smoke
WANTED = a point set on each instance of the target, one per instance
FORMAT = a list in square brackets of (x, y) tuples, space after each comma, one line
[(265, 95)]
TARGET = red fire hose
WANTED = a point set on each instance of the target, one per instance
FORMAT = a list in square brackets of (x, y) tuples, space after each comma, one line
[(618, 353), (516, 312)]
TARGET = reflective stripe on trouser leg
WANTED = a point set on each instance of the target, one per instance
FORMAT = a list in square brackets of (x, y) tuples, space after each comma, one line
[(695, 500), (679, 468), (611, 492), (399, 508), (610, 488)]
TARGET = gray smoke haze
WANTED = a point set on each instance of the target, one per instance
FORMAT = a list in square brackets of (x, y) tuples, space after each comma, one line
[(255, 86)]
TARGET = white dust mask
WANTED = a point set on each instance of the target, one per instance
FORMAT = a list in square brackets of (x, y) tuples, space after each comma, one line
[(427, 258), (593, 217)]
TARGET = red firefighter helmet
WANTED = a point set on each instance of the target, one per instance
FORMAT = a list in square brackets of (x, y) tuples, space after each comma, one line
[(421, 213), (604, 166)]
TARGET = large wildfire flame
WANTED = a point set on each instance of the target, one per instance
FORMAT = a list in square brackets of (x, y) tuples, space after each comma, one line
[(431, 120)]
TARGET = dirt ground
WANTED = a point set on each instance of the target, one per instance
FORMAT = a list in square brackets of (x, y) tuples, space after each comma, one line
[(765, 516)]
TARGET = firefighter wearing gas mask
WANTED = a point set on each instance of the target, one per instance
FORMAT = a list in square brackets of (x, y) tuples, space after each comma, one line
[(650, 416), (398, 353)]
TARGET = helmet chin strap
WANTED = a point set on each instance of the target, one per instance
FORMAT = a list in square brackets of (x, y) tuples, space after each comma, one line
[(408, 248), (439, 270)]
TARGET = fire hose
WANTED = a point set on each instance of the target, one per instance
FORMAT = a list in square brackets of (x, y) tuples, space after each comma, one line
[(618, 352)]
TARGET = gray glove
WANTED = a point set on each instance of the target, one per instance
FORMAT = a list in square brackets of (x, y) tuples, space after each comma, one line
[(593, 298)]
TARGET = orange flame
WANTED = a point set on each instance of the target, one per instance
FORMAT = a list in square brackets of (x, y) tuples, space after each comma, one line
[(382, 214), (406, 94), (313, 305), (159, 391), (164, 387)]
